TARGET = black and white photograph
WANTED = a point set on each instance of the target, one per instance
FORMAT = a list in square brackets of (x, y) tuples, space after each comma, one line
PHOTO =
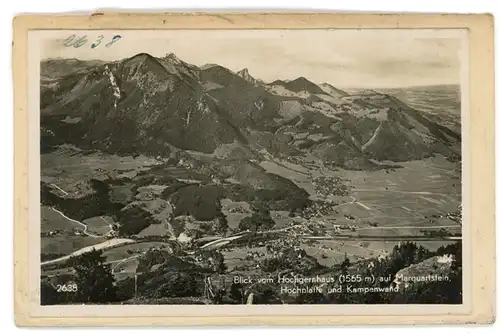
[(227, 167)]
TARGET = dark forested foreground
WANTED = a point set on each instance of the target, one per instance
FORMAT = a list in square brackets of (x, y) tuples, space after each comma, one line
[(400, 278)]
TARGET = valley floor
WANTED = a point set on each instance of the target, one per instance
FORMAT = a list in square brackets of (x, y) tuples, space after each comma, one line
[(418, 202)]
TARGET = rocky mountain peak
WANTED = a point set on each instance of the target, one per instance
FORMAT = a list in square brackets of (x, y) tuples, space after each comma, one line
[(172, 57), (245, 74)]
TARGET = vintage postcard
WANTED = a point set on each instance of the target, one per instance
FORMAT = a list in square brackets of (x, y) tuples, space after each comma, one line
[(254, 169)]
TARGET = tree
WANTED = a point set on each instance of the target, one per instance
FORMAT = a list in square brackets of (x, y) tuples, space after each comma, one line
[(48, 294), (218, 297), (94, 278), (213, 260), (257, 222), (219, 265), (221, 224), (177, 284), (343, 297), (272, 264), (262, 294), (404, 255), (345, 265), (236, 292)]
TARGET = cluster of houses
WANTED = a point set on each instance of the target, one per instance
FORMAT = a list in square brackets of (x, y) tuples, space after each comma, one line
[(326, 186), (315, 226), (254, 255), (58, 232), (319, 209), (185, 163), (455, 216), (237, 209), (341, 228)]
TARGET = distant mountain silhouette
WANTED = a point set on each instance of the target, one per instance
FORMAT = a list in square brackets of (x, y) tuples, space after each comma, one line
[(333, 91), (300, 84), (57, 67)]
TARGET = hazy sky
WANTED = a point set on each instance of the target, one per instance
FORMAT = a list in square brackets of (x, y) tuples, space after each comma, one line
[(343, 58)]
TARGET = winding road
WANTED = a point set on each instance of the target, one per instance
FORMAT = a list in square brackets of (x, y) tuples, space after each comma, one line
[(58, 188), (85, 226)]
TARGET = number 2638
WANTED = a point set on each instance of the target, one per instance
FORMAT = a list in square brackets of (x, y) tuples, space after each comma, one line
[(67, 288)]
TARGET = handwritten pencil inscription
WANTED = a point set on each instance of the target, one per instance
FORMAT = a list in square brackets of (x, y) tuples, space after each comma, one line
[(79, 41)]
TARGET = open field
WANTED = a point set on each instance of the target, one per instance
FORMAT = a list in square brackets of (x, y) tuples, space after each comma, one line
[(402, 202), (68, 167), (331, 252), (67, 244), (235, 211), (399, 197), (239, 257), (294, 172), (154, 230), (100, 225), (406, 196), (125, 268), (55, 222), (51, 221), (77, 246), (126, 251), (58, 272)]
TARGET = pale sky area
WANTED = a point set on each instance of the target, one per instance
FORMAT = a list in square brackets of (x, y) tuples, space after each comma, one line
[(343, 58)]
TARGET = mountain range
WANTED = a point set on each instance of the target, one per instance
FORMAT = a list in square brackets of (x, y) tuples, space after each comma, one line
[(159, 105)]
